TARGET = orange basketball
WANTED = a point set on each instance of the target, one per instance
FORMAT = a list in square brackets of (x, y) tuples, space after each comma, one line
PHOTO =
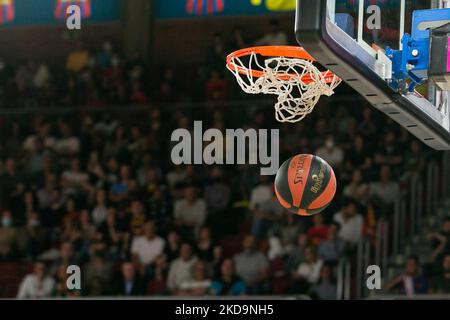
[(305, 184)]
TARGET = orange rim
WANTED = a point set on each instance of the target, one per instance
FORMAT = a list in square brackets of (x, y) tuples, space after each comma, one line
[(274, 51)]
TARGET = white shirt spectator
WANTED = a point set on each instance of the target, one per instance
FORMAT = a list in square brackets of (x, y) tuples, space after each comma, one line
[(99, 214), (33, 288), (194, 213), (260, 194), (351, 228), (180, 272), (147, 250), (30, 143), (195, 284), (68, 145), (389, 192), (310, 271), (334, 156)]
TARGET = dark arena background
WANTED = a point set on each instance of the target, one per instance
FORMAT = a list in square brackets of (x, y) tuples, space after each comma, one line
[(87, 180)]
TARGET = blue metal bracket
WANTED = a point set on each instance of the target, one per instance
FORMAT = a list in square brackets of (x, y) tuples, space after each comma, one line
[(412, 62)]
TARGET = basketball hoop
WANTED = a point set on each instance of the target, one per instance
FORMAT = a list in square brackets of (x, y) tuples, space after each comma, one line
[(289, 73)]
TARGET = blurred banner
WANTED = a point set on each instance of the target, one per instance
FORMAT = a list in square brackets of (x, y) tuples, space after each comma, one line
[(62, 5), (6, 11), (178, 9), (52, 12)]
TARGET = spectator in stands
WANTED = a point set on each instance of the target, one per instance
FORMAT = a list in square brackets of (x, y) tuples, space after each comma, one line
[(205, 245), (190, 212), (97, 273), (384, 192), (172, 247), (67, 144), (357, 189), (275, 37), (252, 266), (441, 283), (326, 288), (390, 153), (100, 211), (228, 283), (440, 242), (350, 222), (200, 283), (331, 153), (261, 193), (78, 59), (265, 214), (180, 270), (129, 282), (297, 256), (37, 284), (146, 248), (330, 250), (318, 231), (8, 236), (308, 272), (411, 281)]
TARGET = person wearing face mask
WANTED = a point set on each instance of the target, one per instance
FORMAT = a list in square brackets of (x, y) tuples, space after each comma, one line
[(8, 236), (331, 153)]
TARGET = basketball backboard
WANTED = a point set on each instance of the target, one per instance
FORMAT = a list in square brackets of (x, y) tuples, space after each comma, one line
[(382, 49)]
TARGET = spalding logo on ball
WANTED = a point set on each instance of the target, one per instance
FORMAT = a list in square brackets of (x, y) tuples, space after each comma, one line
[(305, 184)]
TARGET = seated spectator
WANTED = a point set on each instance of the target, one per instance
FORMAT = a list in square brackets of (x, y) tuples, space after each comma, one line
[(78, 59), (180, 269), (389, 152), (200, 283), (67, 144), (138, 217), (190, 212), (157, 285), (440, 242), (350, 222), (205, 245), (75, 180), (308, 272), (146, 248), (275, 37), (384, 192), (129, 282), (296, 256), (37, 284), (331, 153), (98, 269), (217, 193), (100, 211), (216, 87), (261, 193), (172, 247), (357, 189), (289, 230), (410, 282), (326, 288), (228, 283), (440, 284), (252, 266), (330, 250), (121, 189), (8, 236), (265, 214), (318, 231)]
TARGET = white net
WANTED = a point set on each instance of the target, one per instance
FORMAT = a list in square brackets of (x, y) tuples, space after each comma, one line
[(297, 83)]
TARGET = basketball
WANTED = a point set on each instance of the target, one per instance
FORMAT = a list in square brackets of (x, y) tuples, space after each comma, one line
[(305, 184)]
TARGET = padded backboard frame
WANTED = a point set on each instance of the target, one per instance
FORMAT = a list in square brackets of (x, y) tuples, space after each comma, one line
[(340, 53)]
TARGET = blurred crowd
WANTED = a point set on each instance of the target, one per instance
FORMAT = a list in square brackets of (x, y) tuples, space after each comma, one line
[(98, 189)]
